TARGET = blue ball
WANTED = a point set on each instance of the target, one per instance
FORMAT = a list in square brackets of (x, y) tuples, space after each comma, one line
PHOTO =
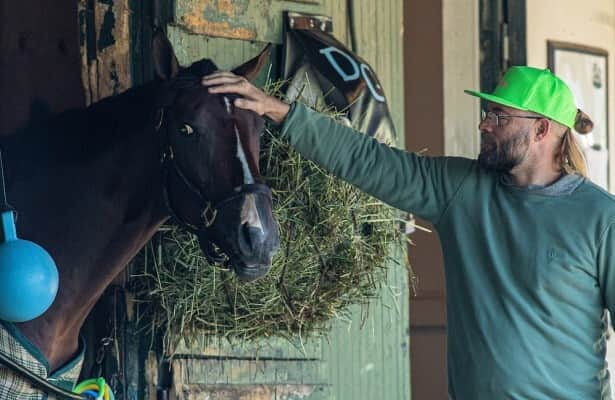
[(28, 280)]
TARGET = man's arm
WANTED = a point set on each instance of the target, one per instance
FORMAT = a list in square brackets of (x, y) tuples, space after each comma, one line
[(422, 185)]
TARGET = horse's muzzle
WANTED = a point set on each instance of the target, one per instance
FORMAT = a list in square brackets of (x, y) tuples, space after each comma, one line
[(257, 238), (249, 235)]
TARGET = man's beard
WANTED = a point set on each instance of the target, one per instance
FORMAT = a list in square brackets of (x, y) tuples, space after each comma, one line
[(506, 155)]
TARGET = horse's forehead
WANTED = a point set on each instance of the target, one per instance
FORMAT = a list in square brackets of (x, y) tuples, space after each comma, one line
[(196, 103), (196, 96), (218, 111)]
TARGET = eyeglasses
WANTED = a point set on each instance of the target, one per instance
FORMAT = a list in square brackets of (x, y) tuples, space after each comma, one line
[(502, 119)]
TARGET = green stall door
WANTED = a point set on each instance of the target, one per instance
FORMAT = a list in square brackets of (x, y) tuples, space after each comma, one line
[(363, 359)]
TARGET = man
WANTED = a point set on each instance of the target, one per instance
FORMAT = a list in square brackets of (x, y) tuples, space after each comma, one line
[(527, 239)]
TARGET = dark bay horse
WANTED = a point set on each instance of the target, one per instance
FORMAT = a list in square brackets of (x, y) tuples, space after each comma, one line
[(91, 186)]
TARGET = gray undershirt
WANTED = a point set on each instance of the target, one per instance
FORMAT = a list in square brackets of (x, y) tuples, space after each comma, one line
[(566, 184)]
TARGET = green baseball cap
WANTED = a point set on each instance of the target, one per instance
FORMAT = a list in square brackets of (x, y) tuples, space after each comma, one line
[(536, 90)]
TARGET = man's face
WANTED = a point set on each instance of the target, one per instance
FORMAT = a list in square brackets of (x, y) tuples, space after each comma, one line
[(504, 141)]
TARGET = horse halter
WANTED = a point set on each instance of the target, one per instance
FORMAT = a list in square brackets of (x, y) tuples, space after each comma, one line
[(208, 210)]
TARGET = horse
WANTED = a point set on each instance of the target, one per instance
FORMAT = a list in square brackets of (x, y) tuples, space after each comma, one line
[(93, 185)]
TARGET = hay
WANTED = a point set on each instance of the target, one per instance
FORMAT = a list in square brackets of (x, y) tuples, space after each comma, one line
[(335, 243)]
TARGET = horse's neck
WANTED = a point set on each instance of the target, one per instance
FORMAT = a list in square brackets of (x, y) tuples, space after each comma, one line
[(92, 208)]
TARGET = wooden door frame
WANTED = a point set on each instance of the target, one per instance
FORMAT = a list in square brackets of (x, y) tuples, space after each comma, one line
[(502, 39)]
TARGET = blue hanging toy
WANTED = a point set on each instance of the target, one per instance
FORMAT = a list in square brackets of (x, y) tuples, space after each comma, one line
[(28, 275)]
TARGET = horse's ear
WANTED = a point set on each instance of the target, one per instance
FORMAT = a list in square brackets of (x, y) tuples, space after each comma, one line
[(250, 69), (166, 65)]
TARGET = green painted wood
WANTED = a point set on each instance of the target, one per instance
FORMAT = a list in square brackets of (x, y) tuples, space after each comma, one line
[(259, 20), (374, 362), (227, 53), (263, 372), (272, 348), (369, 357), (248, 392)]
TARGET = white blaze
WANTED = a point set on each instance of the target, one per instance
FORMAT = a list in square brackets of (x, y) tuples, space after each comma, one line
[(249, 212), (247, 175), (228, 104)]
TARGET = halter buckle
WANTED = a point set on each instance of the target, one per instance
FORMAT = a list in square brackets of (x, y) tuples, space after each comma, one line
[(209, 215)]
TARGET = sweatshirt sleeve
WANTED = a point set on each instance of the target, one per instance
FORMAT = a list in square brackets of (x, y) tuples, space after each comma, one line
[(606, 269), (422, 185)]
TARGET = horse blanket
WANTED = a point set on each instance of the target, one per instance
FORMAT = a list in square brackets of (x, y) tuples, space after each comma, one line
[(16, 346)]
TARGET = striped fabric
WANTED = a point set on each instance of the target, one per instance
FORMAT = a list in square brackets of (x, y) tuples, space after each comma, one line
[(16, 346)]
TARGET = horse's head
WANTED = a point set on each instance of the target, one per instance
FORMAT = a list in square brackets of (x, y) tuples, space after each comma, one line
[(211, 152)]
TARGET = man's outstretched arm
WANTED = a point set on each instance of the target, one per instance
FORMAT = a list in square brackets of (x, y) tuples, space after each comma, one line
[(422, 185)]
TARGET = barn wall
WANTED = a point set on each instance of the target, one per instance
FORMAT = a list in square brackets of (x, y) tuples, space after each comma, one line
[(373, 362)]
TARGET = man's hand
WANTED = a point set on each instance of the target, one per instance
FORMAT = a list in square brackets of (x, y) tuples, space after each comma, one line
[(253, 98)]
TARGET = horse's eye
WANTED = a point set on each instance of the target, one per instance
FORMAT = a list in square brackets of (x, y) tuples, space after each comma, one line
[(186, 130)]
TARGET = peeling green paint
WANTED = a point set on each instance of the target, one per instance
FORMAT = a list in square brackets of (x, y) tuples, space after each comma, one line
[(233, 14), (230, 10), (259, 20), (105, 37)]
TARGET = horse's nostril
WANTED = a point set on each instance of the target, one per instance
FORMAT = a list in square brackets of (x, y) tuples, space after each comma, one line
[(254, 236)]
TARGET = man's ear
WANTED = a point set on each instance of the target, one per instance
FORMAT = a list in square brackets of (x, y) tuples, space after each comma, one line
[(543, 125)]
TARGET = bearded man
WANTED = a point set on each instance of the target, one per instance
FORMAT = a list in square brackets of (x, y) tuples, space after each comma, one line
[(527, 239)]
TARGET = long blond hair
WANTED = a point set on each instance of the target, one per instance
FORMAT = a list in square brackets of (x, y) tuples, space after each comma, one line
[(570, 156)]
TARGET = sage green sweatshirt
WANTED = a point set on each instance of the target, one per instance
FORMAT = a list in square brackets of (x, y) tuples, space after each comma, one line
[(529, 271)]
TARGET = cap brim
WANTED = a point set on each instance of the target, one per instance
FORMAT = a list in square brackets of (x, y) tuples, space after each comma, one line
[(495, 99)]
